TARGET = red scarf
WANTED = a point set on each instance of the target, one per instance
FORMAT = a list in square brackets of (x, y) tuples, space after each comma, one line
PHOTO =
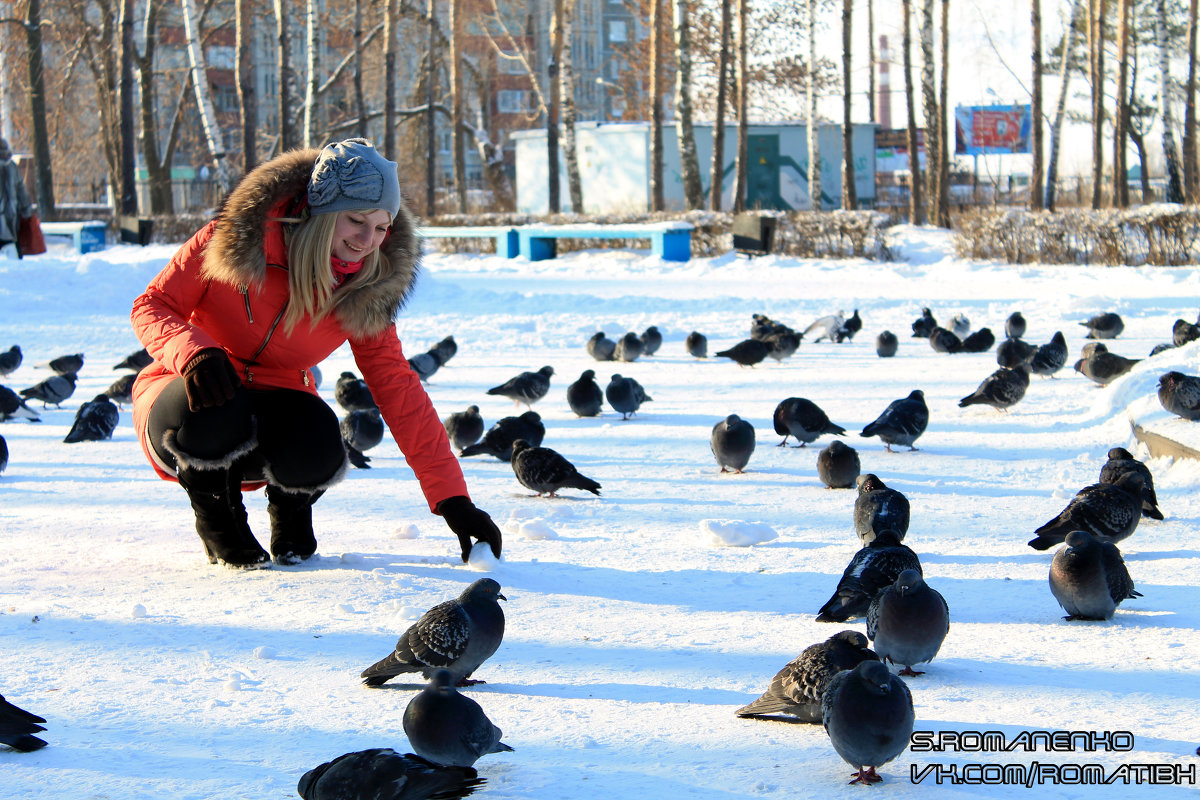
[(343, 269)]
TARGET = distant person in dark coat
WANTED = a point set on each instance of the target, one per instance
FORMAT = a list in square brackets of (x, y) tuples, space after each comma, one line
[(15, 204)]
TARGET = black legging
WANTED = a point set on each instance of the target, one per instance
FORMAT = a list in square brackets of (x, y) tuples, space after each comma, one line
[(298, 436)]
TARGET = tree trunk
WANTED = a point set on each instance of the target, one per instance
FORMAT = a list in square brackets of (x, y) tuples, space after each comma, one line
[(389, 79), (743, 88), (37, 111), (1170, 152), (1096, 49), (128, 203), (689, 164), (943, 196), (431, 148), (360, 104), (717, 178), (1035, 169), (312, 26), (287, 131), (1064, 79), (656, 136), (1191, 177), (849, 190), (552, 114), (247, 95), (566, 79), (457, 24), (813, 130), (915, 205), (208, 117), (1120, 191), (158, 168), (871, 60), (933, 145)]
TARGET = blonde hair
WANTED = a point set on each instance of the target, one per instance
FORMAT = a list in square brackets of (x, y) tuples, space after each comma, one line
[(310, 277)]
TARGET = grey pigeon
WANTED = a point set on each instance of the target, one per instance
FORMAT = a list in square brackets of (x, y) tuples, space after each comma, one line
[(886, 344), (352, 394), (425, 364), (584, 395), (838, 466), (12, 406), (1109, 512), (361, 430), (1014, 326), (868, 713), (498, 440), (545, 471), (960, 325), (873, 567), (944, 341), (1049, 358), (878, 508), (797, 689), (1001, 390), (826, 327), (1104, 367), (527, 388), (1121, 461), (121, 390), (924, 324), (851, 326), (629, 347), (51, 391), (625, 395), (1014, 351), (447, 728), (446, 349), (804, 419), (763, 327), (781, 345), (732, 443), (696, 344), (136, 361), (17, 727), (1089, 578), (651, 340), (3, 454), (383, 774), (65, 365), (978, 342), (10, 359), (908, 621), (1091, 348), (1104, 326), (600, 347), (1180, 394), (457, 636), (1183, 332), (747, 352), (464, 427), (902, 422), (95, 421)]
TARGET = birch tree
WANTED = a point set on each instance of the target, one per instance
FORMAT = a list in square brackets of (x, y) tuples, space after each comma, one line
[(312, 29), (245, 13), (716, 184), (389, 79), (743, 88), (814, 138), (1170, 152), (208, 116), (943, 183), (1069, 40), (128, 201), (849, 190), (656, 136), (693, 189), (566, 77), (457, 24), (1191, 180), (287, 133), (1120, 190), (1035, 170), (916, 208), (1096, 20), (933, 147)]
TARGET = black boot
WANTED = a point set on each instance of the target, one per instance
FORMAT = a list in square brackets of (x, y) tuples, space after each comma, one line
[(216, 496), (292, 537)]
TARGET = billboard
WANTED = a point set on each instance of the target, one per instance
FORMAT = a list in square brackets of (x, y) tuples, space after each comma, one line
[(987, 130)]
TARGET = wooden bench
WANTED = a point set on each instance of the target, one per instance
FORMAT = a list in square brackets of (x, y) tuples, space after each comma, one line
[(671, 241), (87, 236), (506, 237)]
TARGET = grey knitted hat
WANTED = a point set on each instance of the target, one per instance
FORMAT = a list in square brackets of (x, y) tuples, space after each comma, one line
[(352, 176)]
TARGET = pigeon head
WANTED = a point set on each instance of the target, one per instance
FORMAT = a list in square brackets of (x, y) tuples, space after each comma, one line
[(588, 375), (519, 446), (907, 581), (869, 482), (482, 589), (835, 447), (852, 638), (1092, 348), (875, 677), (1120, 453), (547, 371), (1079, 539), (917, 394), (617, 377), (1131, 483), (1171, 378), (472, 409), (531, 417), (734, 419), (442, 682)]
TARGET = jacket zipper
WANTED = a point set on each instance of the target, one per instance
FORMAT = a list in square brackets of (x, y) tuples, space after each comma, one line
[(245, 290)]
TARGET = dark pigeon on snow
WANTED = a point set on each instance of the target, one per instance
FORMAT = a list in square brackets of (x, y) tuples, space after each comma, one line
[(979, 341), (879, 508), (65, 365), (868, 713), (13, 406), (960, 325), (361, 430), (601, 347), (95, 421), (629, 347), (10, 359), (944, 341), (425, 364), (447, 728), (838, 466), (1001, 390), (1102, 366), (908, 621), (445, 350), (804, 419), (797, 689), (1180, 394), (1121, 461), (136, 361), (1089, 578), (1014, 326), (464, 427), (924, 324), (747, 352), (651, 340), (1049, 358), (873, 567), (121, 390), (696, 344), (498, 440), (732, 443), (383, 774), (527, 387), (17, 727), (3, 454), (584, 396), (902, 422), (851, 326), (1014, 351), (1107, 325), (1183, 332), (51, 391), (886, 344), (1110, 512), (782, 345), (352, 394), (545, 471), (625, 395)]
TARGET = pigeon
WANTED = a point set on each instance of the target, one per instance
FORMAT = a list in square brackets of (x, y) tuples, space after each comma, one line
[(1121, 461), (1049, 358), (1014, 351), (1014, 326), (625, 395), (121, 390), (498, 441), (383, 774), (978, 342), (797, 689), (601, 348), (361, 430), (944, 341), (1104, 367), (1089, 578), (1158, 348), (1104, 326), (53, 390), (732, 443), (802, 418), (95, 421), (352, 394), (1109, 512), (3, 454), (1001, 390), (527, 388), (12, 406), (838, 466), (425, 364), (782, 345), (457, 636), (446, 349), (651, 340), (873, 567), (545, 471), (886, 344), (1180, 394), (879, 508), (136, 361), (747, 352), (960, 325), (1090, 349), (696, 344), (850, 327), (924, 325), (17, 727), (447, 728), (1183, 332), (629, 347), (584, 395), (868, 713), (464, 427), (10, 359), (908, 621), (902, 422), (64, 365), (826, 327), (763, 327)]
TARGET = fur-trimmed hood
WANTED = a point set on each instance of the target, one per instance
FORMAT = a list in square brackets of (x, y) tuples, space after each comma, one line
[(236, 254)]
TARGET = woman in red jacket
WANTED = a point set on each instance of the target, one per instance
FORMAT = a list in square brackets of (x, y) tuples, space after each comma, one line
[(310, 250)]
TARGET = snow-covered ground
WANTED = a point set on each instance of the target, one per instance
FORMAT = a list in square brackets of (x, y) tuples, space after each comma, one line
[(632, 634)]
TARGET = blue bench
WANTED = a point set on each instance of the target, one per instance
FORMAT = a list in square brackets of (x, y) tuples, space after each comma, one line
[(87, 236), (506, 238), (671, 241)]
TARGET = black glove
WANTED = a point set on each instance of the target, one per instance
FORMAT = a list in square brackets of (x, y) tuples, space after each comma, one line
[(469, 522), (209, 379)]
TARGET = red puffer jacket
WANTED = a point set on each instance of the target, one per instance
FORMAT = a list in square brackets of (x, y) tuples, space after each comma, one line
[(227, 287)]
